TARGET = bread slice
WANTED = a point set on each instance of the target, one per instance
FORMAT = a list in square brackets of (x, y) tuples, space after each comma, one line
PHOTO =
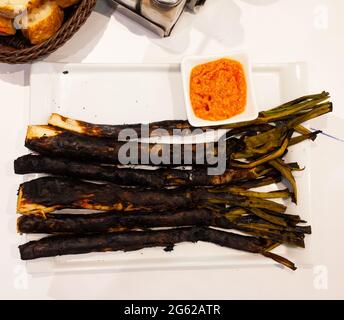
[(12, 8), (43, 22), (67, 3), (6, 27)]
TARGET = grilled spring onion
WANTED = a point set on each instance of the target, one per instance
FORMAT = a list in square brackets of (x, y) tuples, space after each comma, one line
[(110, 222), (247, 217), (56, 142), (266, 142), (288, 110), (48, 194), (279, 194), (286, 172), (268, 157), (294, 102), (159, 178), (136, 240), (317, 111), (272, 141), (302, 130), (263, 143), (309, 136), (261, 182), (112, 131)]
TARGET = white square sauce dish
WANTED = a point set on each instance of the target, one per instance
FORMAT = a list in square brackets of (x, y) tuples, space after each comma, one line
[(250, 109)]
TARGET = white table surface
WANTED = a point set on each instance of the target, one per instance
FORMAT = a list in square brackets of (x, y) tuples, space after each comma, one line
[(272, 31)]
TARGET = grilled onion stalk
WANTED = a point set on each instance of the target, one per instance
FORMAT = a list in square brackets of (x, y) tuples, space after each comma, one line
[(261, 182), (277, 153), (286, 172), (48, 194), (268, 141), (253, 222), (109, 222), (310, 136), (54, 223), (272, 144), (112, 131), (56, 142), (136, 240), (157, 178)]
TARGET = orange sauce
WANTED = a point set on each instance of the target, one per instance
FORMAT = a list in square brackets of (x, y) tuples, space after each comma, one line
[(218, 89)]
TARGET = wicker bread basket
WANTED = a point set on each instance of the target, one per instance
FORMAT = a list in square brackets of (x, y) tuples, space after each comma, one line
[(16, 49)]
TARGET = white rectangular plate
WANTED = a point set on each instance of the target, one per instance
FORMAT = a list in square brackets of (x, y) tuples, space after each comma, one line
[(141, 93)]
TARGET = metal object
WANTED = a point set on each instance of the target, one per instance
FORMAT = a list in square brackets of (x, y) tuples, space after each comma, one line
[(160, 16), (162, 13), (132, 4)]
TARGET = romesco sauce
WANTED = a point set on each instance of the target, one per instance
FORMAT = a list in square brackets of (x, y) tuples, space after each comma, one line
[(218, 89)]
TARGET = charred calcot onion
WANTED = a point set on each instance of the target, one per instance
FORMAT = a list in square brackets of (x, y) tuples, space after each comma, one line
[(56, 142), (112, 131), (262, 224), (157, 178), (135, 240), (48, 194), (136, 203)]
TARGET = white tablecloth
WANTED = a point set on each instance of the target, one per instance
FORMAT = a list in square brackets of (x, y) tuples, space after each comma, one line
[(272, 31)]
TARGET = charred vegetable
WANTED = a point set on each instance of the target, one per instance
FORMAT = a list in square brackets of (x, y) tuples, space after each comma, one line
[(288, 109), (135, 202), (110, 222), (286, 172), (113, 131), (60, 143), (48, 194), (159, 178), (131, 241)]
